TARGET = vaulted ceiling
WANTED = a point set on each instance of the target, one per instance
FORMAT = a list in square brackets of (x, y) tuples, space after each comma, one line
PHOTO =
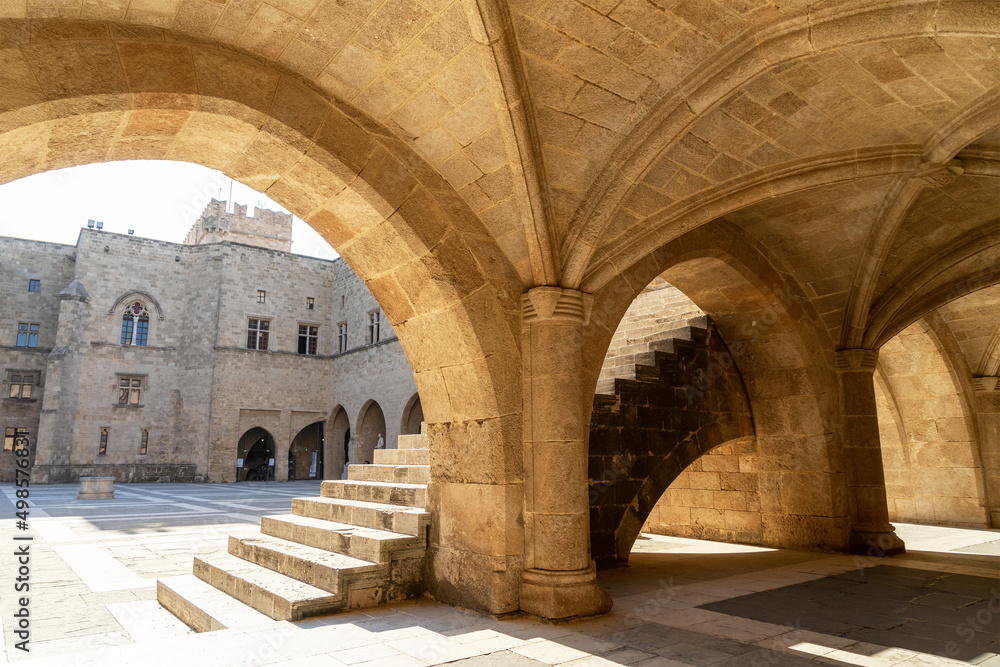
[(856, 140)]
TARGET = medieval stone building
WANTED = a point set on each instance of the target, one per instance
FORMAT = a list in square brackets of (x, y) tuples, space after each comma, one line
[(506, 177), (224, 358)]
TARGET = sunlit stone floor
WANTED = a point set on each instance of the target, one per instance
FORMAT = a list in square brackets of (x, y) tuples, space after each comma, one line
[(681, 602)]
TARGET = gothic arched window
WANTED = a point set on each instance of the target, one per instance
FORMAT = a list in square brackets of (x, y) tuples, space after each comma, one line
[(135, 324)]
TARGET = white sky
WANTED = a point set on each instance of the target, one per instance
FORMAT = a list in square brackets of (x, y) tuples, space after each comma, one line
[(159, 199)]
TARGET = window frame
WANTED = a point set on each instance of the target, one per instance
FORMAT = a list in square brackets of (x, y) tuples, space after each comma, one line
[(136, 386), (26, 336), (105, 435), (374, 326), (310, 303), (257, 333), (15, 378), (310, 338), (11, 435), (35, 283), (261, 296), (342, 337), (144, 442), (137, 325)]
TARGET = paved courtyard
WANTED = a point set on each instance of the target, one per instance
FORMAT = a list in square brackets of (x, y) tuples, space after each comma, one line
[(681, 602)]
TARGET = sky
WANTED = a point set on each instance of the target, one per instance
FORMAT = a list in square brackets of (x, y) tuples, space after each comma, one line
[(159, 199)]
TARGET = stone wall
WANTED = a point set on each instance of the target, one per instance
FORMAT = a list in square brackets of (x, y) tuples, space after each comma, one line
[(52, 265), (201, 387), (932, 468)]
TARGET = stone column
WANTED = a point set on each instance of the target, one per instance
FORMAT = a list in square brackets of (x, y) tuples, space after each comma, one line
[(988, 416), (559, 579), (868, 511)]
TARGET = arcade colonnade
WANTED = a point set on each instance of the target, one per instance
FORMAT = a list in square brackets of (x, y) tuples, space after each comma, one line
[(506, 176)]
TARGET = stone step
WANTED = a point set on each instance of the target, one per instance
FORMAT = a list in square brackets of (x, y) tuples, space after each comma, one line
[(370, 544), (394, 518), (318, 567), (390, 493), (390, 473), (271, 593), (404, 457), (204, 608), (413, 441)]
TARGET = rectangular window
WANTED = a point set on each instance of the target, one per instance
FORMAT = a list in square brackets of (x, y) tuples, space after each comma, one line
[(261, 296), (308, 336), (374, 319), (342, 337), (129, 390), (144, 442), (103, 448), (20, 384), (310, 303), (34, 285), (27, 334), (10, 436), (257, 333)]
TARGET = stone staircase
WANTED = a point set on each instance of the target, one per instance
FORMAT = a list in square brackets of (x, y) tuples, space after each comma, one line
[(663, 400), (360, 544), (656, 316)]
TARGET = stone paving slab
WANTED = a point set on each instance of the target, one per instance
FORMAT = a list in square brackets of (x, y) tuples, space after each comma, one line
[(664, 612)]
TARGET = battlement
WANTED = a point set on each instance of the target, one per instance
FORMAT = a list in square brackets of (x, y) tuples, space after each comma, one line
[(265, 229)]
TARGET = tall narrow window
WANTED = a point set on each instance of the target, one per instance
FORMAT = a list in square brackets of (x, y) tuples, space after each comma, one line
[(20, 385), (261, 296), (257, 334), (374, 318), (310, 303), (103, 448), (144, 442), (27, 334), (135, 324), (34, 285), (342, 337), (11, 435), (308, 337), (129, 390)]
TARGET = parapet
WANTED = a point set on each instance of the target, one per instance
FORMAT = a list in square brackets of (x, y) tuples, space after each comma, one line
[(265, 229)]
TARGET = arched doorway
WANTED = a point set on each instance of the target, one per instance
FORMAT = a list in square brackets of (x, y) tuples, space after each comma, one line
[(413, 416), (338, 437), (255, 456), (372, 428), (305, 454)]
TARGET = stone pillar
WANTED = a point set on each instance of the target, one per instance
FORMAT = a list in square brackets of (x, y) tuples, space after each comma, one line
[(988, 416), (559, 579), (868, 512)]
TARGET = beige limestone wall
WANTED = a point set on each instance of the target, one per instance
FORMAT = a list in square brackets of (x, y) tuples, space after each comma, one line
[(716, 498), (929, 453)]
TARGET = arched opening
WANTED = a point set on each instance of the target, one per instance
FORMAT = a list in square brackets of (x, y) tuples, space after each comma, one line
[(337, 441), (413, 416), (790, 392), (932, 470), (305, 454), (255, 456), (371, 430)]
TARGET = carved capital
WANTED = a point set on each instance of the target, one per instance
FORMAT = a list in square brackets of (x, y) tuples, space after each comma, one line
[(856, 359), (939, 175), (555, 303)]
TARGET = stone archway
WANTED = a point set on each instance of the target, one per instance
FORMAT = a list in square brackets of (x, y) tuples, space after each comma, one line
[(448, 289), (306, 453), (371, 428), (413, 416), (338, 437), (257, 452)]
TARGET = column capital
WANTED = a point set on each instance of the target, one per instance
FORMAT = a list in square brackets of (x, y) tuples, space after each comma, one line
[(548, 302), (856, 359)]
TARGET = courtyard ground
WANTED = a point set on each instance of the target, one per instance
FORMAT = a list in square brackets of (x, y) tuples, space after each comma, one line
[(94, 565)]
